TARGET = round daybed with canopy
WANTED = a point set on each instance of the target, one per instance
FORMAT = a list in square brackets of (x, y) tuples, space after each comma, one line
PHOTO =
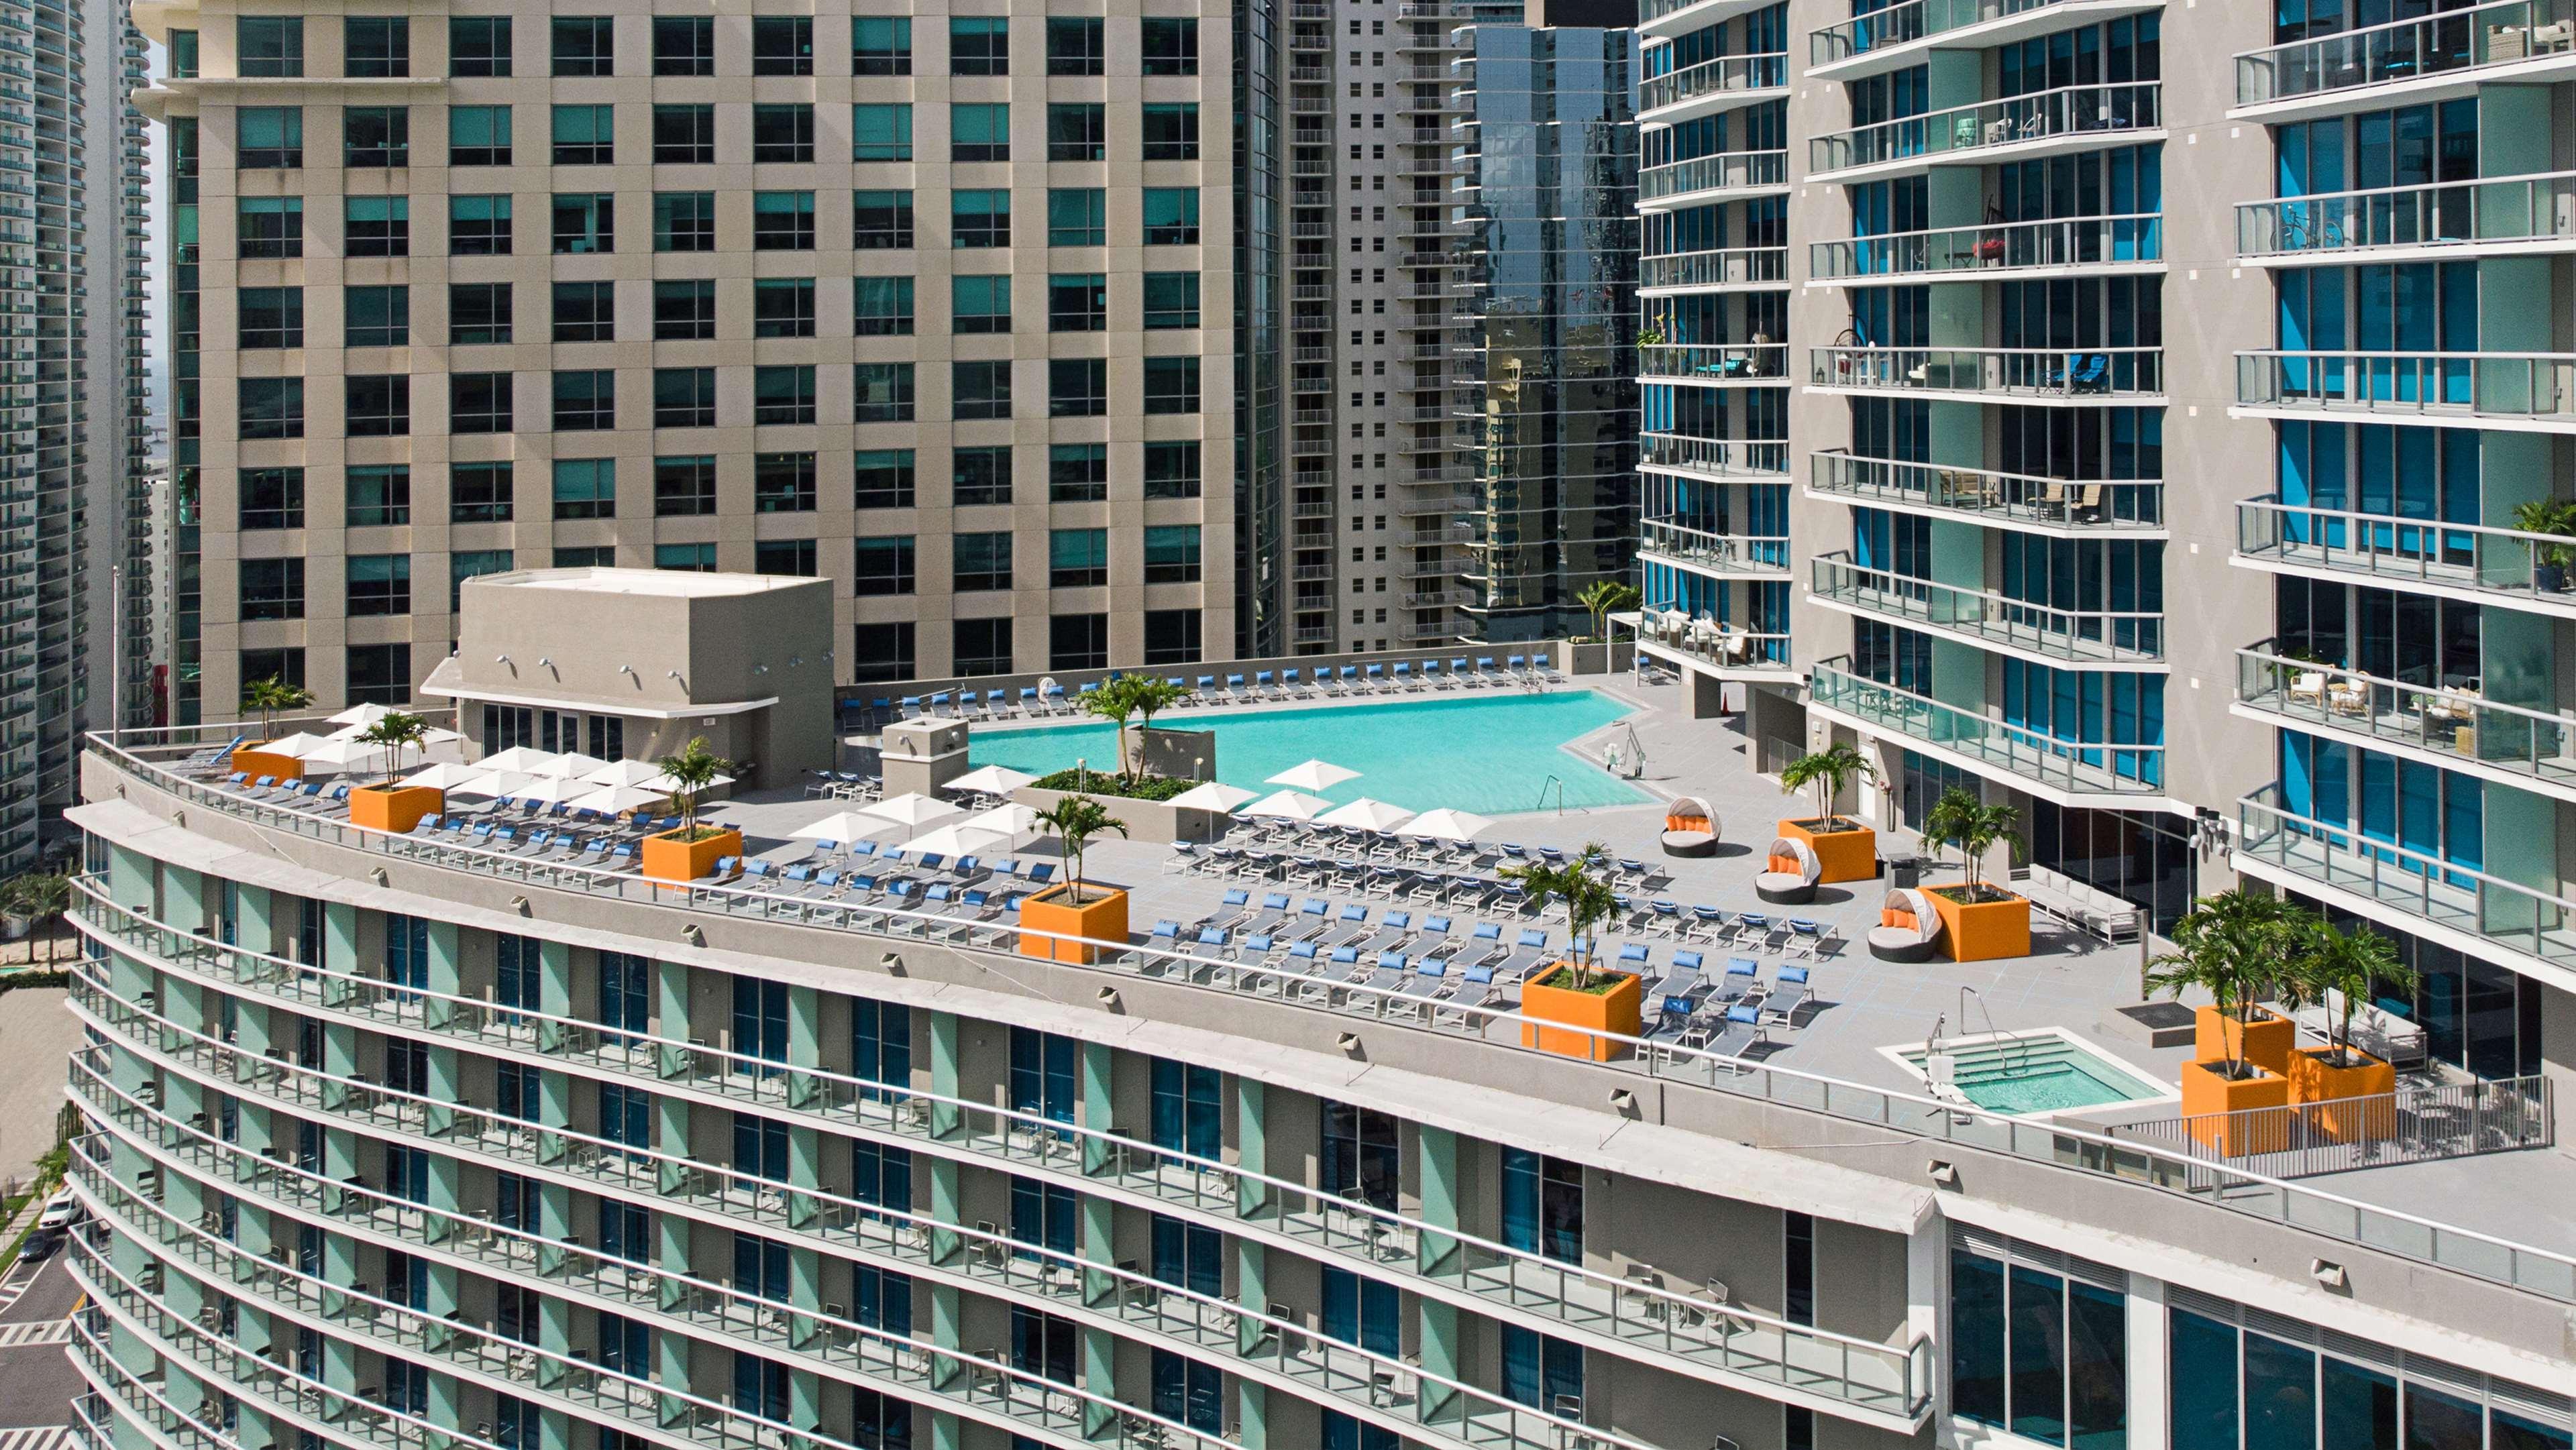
[(1794, 871), (1690, 828)]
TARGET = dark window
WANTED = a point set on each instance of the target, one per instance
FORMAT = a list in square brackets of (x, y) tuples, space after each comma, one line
[(272, 589), (782, 45), (1074, 45), (880, 46), (684, 397), (1171, 385), (1172, 470), (1078, 302), (269, 226), (585, 222), (1170, 46), (979, 131), (377, 226), (1359, 1157), (684, 310), (1077, 131), (980, 389), (684, 45), (269, 138), (585, 556), (478, 403), (272, 498), (379, 584), (585, 311), (379, 404), (481, 493), (882, 566), (684, 487), (379, 674), (1077, 387), (379, 495), (1077, 216), (585, 400), (464, 564), (980, 562), (269, 45), (272, 408), (1172, 131), (684, 135), (980, 303), (684, 221), (979, 45), (980, 219), (478, 312), (980, 476), (782, 221), (881, 131), (273, 664), (793, 557), (1078, 473), (478, 135), (1171, 216), (880, 220), (685, 558), (376, 316), (784, 306), (375, 136), (183, 66), (1172, 636), (478, 45), (1171, 300), (782, 394), (1077, 558), (375, 47), (584, 135), (881, 306), (881, 653), (478, 226), (782, 133), (585, 488), (584, 45), (271, 317), (882, 393), (1078, 642), (983, 646), (782, 483), (881, 478)]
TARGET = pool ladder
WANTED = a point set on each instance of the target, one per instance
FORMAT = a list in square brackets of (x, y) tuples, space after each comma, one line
[(1553, 783)]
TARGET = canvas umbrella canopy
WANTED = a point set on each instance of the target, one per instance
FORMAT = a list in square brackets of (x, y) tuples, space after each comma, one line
[(1216, 795), (910, 809), (294, 746), (552, 789), (1010, 821), (1314, 775), (1448, 825), (525, 759), (448, 776), (991, 780), (574, 765), (1291, 804), (838, 826), (361, 716), (624, 772), (661, 781), (615, 800), (1367, 814), (960, 839)]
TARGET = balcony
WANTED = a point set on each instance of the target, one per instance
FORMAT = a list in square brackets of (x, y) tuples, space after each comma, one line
[(1761, 363), (1712, 457), (2507, 390), (2073, 118), (2449, 54), (2449, 726), (1725, 269), (1703, 644), (2461, 561), (2089, 246), (2470, 910), (2073, 773), (1703, 551), (2497, 217), (1660, 18), (2032, 375), (1726, 171), (2095, 638), (1712, 86), (1897, 36), (2008, 500)]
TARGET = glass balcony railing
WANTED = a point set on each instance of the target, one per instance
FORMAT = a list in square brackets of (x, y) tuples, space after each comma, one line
[(2447, 719), (2468, 39), (1909, 21), (1708, 362), (2073, 766), (1711, 642), (2106, 504), (2411, 883), (1725, 171), (2509, 564), (1724, 267), (1722, 457), (2107, 241), (2502, 211), (2539, 385), (1727, 73), (2109, 109), (2090, 373), (2080, 636), (1711, 552)]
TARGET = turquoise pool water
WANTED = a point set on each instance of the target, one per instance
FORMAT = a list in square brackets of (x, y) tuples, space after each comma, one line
[(2040, 1074), (1489, 755)]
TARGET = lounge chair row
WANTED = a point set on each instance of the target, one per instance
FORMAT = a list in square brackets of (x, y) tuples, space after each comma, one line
[(1403, 676)]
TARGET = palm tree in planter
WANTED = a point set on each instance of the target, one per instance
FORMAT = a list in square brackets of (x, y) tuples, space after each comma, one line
[(691, 849), (2339, 971), (1132, 695), (271, 697), (1072, 915), (386, 806), (2351, 965), (1826, 772), (1981, 922), (2231, 946), (1605, 597), (396, 733), (1576, 992)]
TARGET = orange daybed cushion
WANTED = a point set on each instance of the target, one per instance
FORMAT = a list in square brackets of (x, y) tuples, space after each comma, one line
[(1787, 866)]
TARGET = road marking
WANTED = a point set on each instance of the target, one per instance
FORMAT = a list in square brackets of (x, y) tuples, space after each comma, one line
[(15, 1286), (55, 1331), (35, 1437)]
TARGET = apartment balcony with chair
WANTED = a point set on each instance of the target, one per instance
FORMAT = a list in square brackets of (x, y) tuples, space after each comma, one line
[(2476, 562), (2451, 725), (1760, 363), (2096, 638), (1727, 173), (1901, 34), (2522, 391), (1709, 646), (2523, 41), (1704, 551), (2060, 506), (2076, 773), (2499, 216), (2071, 246), (1718, 458), (1719, 270), (2088, 375), (1721, 84), (2070, 118)]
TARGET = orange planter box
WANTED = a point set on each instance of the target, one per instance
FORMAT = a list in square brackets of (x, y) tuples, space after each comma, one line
[(1850, 855), (255, 762), (1103, 918), (2334, 1089), (2268, 1038), (2236, 1118), (395, 808), (668, 857), (1583, 1014), (1981, 931)]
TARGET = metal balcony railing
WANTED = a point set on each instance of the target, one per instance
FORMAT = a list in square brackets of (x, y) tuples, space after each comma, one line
[(2073, 242), (2492, 212), (2096, 768), (2100, 636), (1741, 73), (2406, 385), (2107, 110), (2446, 718), (2509, 564), (2107, 504), (2008, 372), (2474, 38)]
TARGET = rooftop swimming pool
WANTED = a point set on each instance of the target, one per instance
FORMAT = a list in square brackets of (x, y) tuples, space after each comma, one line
[(2037, 1072), (1487, 754)]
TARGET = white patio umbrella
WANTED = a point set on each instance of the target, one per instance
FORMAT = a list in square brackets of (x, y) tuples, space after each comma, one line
[(349, 754), (1314, 775), (1216, 795), (1448, 825), (910, 809), (838, 826), (361, 716), (525, 759), (991, 780), (295, 745), (663, 783), (1367, 814), (493, 783), (624, 772), (552, 789), (447, 776), (573, 765), (1294, 805), (959, 839), (615, 800), (1010, 821)]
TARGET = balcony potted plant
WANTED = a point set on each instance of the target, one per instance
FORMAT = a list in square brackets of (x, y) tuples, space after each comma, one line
[(2228, 945), (1979, 921), (388, 805), (2555, 517), (1575, 994), (2339, 971), (268, 698), (1848, 849), (1073, 912), (690, 849)]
